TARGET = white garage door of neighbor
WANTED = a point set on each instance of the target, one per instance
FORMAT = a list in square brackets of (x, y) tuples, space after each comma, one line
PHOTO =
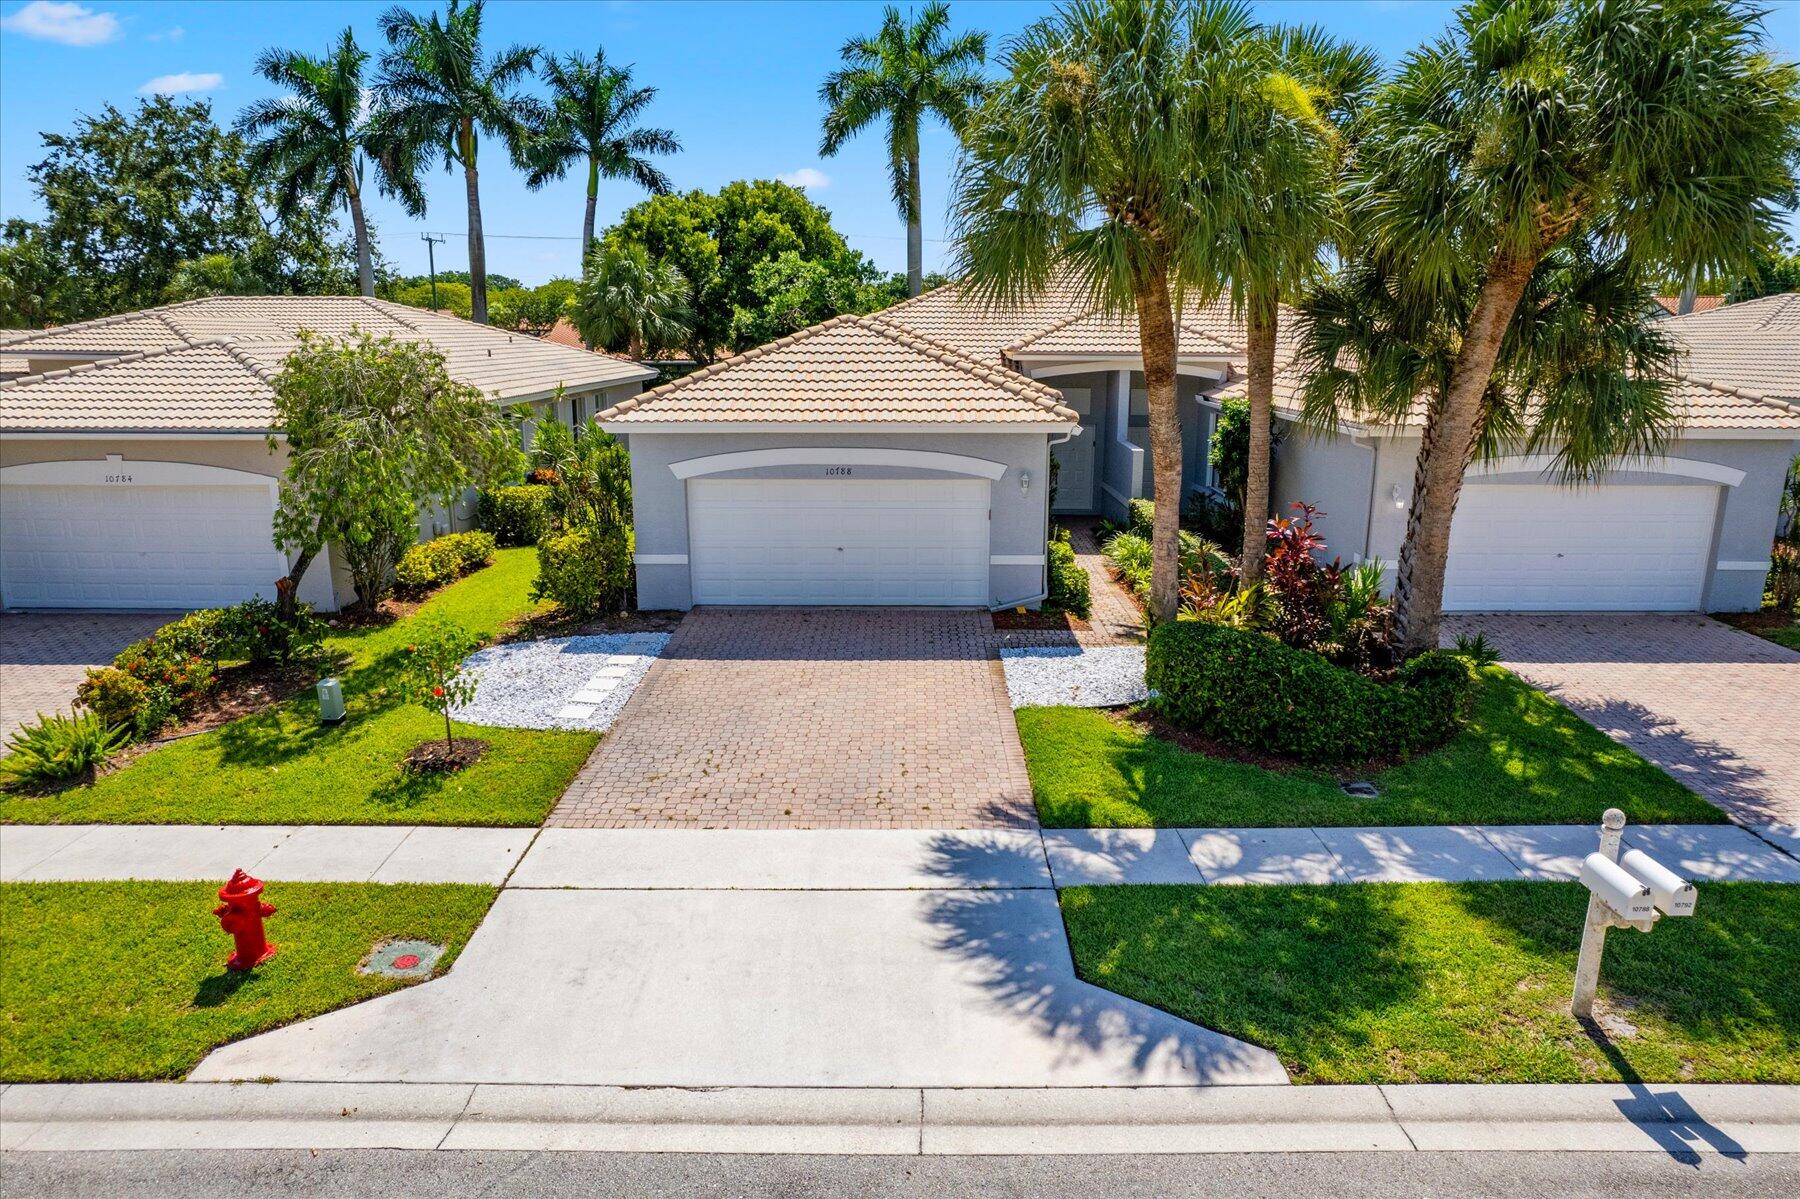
[(112, 546), (839, 541), (1541, 548)]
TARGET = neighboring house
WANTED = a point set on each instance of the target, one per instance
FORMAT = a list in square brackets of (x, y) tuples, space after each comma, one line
[(135, 470), (1672, 304), (903, 457)]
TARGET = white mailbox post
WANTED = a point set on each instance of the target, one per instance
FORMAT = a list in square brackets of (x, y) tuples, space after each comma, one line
[(1628, 892)]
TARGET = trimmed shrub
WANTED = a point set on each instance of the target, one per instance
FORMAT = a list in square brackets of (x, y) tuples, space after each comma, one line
[(117, 698), (516, 515), (1142, 518), (174, 679), (1249, 690), (254, 631), (585, 571), (59, 748), (436, 562), (1068, 582)]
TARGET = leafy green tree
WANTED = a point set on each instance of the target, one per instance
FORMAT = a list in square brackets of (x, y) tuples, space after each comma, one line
[(1095, 161), (375, 428), (594, 108), (453, 297), (911, 69), (313, 141), (629, 299), (1666, 130), (494, 282), (438, 94), (35, 282), (533, 310), (433, 669), (1771, 273), (213, 275), (794, 292)]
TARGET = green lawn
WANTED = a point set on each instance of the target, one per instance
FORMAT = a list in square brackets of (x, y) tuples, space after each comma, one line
[(282, 767), (1457, 982), (128, 980), (1524, 759)]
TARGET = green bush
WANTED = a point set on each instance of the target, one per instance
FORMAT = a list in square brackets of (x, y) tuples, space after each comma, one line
[(254, 631), (515, 515), (436, 562), (1068, 581), (585, 571), (1130, 555), (175, 679), (117, 698), (1142, 517), (1249, 690), (59, 748)]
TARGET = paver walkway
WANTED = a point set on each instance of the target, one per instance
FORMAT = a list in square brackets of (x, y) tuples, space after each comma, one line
[(45, 655), (1114, 618), (1715, 707), (813, 718)]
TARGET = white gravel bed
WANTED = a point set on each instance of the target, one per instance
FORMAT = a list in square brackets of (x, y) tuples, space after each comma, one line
[(559, 682), (1069, 676)]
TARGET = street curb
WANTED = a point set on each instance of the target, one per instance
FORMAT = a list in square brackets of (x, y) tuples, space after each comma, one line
[(1680, 1119)]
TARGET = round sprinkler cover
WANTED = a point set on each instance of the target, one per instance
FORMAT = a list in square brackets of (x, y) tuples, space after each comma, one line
[(402, 959)]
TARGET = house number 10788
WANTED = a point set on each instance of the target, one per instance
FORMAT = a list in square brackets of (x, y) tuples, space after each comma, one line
[(837, 470)]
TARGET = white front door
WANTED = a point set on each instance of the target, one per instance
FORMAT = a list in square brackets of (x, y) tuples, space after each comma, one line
[(1536, 547), (1075, 457), (839, 541), (125, 546)]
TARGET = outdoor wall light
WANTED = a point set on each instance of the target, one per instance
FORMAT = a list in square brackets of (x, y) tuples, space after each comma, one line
[(1395, 494), (1024, 482)]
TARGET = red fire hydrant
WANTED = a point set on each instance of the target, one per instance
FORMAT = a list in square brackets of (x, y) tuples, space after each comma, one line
[(241, 914)]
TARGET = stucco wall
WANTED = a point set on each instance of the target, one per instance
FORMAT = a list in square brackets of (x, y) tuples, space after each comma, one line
[(659, 499)]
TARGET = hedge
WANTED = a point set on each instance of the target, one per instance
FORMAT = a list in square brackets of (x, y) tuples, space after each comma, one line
[(1249, 690), (586, 571), (433, 563), (1068, 581), (515, 515)]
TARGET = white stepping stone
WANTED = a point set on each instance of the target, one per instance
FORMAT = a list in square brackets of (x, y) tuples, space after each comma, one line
[(575, 711)]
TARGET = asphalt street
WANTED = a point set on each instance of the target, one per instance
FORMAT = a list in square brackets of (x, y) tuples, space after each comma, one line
[(360, 1174)]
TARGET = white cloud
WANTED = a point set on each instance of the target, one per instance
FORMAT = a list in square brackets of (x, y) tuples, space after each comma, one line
[(173, 34), (70, 24), (806, 177), (181, 83)]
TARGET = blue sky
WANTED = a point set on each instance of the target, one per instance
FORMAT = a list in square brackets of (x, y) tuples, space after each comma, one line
[(737, 82)]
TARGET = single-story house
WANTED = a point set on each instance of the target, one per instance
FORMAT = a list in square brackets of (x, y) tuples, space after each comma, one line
[(904, 458), (135, 469)]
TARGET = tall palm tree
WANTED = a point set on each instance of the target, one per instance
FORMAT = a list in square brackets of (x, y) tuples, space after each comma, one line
[(1665, 129), (1094, 161), (593, 113), (1306, 94), (625, 295), (909, 70), (315, 140), (439, 93)]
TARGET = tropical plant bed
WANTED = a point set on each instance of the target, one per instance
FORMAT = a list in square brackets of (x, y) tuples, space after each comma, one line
[(1522, 759), (127, 980), (1456, 982), (281, 766)]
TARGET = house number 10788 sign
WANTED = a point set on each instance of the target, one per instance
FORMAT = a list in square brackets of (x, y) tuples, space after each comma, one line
[(838, 470)]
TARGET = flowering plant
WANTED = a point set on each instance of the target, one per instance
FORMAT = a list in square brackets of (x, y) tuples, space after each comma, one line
[(433, 669)]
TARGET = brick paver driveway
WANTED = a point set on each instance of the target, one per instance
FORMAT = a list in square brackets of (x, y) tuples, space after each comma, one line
[(813, 718), (1714, 707), (43, 656)]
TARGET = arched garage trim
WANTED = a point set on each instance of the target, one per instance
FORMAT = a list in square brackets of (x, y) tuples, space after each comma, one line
[(116, 470), (951, 464), (1545, 464)]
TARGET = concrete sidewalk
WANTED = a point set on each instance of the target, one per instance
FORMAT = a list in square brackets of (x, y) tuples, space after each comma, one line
[(864, 859), (1677, 1119)]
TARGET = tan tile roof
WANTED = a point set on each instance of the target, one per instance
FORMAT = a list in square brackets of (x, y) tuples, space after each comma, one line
[(849, 369), (260, 331), (1751, 348), (1202, 334)]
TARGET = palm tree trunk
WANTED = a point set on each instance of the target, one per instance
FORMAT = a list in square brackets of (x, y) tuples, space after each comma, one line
[(915, 248), (365, 264), (1446, 453), (1156, 334), (1260, 329), (477, 245), (587, 221)]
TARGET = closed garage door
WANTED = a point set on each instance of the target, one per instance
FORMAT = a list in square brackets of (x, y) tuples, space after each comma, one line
[(1618, 548), (126, 546), (839, 541)]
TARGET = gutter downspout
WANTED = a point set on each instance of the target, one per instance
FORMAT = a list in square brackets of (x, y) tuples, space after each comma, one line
[(1044, 570), (1374, 448)]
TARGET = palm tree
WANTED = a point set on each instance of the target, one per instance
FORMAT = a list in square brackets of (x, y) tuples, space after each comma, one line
[(438, 93), (593, 110), (1666, 130), (1291, 147), (1095, 161), (907, 71), (314, 141), (626, 295)]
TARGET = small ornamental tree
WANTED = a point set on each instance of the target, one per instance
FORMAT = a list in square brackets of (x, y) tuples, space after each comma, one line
[(375, 429), (433, 670)]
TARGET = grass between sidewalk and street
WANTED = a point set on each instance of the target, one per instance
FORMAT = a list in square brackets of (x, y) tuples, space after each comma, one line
[(1523, 759), (127, 980), (281, 766), (1457, 982)]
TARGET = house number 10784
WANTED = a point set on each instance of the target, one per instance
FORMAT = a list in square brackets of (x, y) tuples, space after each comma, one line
[(837, 470)]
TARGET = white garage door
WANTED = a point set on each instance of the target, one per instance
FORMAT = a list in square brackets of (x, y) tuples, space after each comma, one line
[(128, 546), (1540, 548), (839, 541)]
